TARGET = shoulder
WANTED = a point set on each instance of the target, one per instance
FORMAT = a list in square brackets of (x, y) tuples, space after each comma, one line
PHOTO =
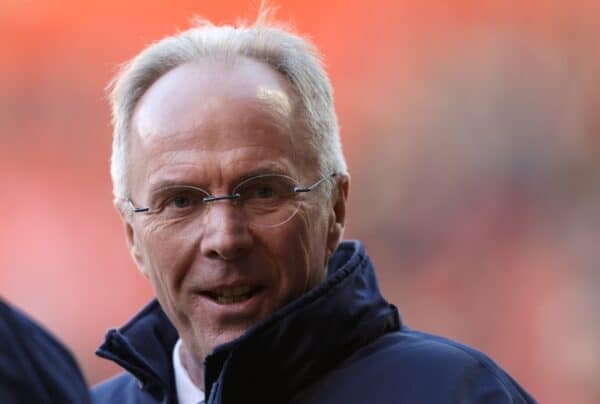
[(418, 350), (410, 366), (34, 366), (120, 389), (22, 335)]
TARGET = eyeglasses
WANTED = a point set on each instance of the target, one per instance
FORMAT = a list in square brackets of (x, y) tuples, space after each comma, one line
[(267, 200)]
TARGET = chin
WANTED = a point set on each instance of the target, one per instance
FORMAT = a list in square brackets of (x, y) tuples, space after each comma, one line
[(225, 337)]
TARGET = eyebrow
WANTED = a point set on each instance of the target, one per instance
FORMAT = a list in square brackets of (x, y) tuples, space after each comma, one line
[(260, 171), (270, 168)]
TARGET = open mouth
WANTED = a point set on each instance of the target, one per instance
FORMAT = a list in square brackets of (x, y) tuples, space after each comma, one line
[(231, 295)]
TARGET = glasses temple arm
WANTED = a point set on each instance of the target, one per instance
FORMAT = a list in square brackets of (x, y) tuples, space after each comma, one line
[(313, 186), (135, 208)]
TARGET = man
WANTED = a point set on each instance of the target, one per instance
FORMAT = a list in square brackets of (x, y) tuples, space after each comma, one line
[(229, 175), (34, 367)]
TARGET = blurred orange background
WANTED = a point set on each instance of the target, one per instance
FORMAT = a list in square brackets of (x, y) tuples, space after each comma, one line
[(471, 132)]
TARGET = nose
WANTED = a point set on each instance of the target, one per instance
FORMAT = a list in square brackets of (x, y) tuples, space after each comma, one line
[(226, 235)]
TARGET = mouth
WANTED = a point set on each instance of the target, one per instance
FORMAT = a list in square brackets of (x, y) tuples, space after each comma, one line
[(232, 295)]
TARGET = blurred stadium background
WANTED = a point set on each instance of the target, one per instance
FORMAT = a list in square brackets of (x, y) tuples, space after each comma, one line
[(471, 130)]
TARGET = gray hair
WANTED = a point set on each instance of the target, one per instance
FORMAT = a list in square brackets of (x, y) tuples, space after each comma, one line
[(291, 55)]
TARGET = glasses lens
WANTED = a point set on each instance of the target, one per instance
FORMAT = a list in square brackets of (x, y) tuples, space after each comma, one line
[(178, 202), (268, 200)]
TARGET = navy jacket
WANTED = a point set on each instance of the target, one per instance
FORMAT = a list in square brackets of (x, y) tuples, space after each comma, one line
[(339, 343), (34, 367)]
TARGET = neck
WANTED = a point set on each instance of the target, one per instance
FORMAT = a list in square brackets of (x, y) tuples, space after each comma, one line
[(194, 368)]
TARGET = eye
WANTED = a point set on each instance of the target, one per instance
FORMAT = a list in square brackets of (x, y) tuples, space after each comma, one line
[(178, 199), (264, 191), (181, 201)]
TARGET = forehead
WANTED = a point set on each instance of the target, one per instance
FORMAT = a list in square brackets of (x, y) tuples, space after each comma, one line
[(191, 91), (229, 114)]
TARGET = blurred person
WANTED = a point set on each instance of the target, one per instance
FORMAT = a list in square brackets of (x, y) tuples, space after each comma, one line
[(230, 179), (34, 366)]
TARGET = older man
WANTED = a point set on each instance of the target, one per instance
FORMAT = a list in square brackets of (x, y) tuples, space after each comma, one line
[(229, 175)]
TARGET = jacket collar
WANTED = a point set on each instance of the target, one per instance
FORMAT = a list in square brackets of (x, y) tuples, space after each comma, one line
[(293, 347), (143, 347)]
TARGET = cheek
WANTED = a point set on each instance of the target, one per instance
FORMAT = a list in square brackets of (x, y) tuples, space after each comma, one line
[(168, 259), (167, 255), (315, 221), (301, 247)]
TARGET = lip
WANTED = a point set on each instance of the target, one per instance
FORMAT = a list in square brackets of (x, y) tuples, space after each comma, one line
[(246, 308), (232, 291)]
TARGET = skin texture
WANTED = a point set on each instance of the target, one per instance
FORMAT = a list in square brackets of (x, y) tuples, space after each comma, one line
[(210, 124)]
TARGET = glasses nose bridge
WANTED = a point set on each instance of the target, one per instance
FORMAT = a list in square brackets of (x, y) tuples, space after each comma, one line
[(209, 200)]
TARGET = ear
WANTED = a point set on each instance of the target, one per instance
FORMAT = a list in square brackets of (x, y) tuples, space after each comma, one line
[(132, 238), (337, 218)]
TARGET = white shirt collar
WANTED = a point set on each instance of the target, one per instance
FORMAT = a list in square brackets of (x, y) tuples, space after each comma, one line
[(187, 391)]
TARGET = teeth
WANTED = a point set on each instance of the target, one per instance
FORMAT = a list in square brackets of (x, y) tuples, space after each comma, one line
[(232, 299), (232, 295), (233, 292)]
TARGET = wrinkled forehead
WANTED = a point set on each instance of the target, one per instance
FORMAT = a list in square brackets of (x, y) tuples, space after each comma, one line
[(183, 98)]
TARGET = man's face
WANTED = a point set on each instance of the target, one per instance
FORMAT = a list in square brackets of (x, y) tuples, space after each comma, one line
[(210, 125)]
